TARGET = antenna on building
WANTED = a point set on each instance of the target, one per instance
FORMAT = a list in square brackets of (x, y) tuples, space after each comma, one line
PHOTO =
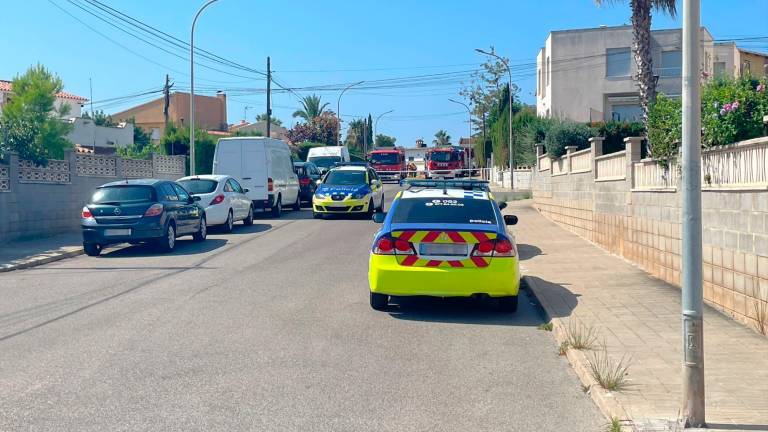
[(93, 116)]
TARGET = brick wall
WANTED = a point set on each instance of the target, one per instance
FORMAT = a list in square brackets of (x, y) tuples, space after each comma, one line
[(643, 226), (43, 201)]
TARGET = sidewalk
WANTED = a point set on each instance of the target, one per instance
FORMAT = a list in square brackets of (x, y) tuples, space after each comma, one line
[(29, 253), (639, 316)]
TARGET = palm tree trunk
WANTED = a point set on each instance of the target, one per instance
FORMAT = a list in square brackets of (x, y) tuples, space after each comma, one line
[(641, 35)]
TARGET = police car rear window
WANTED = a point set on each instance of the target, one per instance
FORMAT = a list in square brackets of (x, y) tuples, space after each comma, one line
[(444, 210)]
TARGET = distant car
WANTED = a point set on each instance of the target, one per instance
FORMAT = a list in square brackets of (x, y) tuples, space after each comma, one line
[(141, 211), (444, 240), (308, 174), (348, 189), (225, 201)]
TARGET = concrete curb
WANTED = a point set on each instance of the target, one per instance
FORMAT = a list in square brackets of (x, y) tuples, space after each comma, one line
[(605, 401), (40, 260)]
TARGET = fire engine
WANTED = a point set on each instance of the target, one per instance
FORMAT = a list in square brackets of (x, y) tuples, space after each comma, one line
[(448, 162), (389, 163)]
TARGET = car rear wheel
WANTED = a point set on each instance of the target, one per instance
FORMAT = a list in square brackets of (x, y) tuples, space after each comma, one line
[(92, 249), (277, 209), (371, 208), (508, 304), (167, 243), (297, 204), (202, 232), (230, 223), (248, 221), (379, 301)]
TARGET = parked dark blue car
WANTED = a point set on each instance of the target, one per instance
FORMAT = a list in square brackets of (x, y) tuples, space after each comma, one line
[(141, 211)]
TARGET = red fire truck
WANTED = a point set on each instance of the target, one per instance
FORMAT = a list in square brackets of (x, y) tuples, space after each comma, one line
[(448, 162), (389, 163)]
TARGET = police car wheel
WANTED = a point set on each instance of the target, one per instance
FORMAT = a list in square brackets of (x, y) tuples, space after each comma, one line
[(316, 215), (379, 301), (508, 304)]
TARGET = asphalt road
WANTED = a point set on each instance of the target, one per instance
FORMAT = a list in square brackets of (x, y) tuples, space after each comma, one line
[(267, 329)]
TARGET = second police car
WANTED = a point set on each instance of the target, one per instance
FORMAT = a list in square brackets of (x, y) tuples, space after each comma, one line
[(444, 239), (348, 189)]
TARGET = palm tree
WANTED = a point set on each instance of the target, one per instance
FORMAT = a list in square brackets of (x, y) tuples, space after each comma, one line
[(312, 108), (275, 121), (441, 138), (641, 46)]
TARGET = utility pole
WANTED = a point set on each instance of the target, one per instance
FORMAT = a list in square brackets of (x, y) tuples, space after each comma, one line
[(269, 99), (693, 330), (192, 88), (166, 105)]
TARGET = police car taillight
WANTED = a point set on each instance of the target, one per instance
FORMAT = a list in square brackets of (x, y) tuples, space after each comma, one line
[(500, 247), (388, 246)]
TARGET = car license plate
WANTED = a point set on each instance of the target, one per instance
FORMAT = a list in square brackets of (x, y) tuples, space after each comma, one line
[(117, 232), (443, 249)]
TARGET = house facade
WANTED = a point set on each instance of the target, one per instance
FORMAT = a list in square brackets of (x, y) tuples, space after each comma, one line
[(210, 113), (276, 131), (732, 61), (75, 102), (588, 74), (102, 139)]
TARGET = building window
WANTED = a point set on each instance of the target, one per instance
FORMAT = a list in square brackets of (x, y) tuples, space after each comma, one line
[(629, 112), (671, 64), (719, 69), (617, 62), (746, 68)]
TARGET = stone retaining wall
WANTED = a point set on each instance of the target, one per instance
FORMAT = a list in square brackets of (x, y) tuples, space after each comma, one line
[(42, 201), (643, 226)]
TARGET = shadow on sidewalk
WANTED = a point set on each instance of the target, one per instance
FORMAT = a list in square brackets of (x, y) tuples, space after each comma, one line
[(737, 427), (556, 300), (527, 251)]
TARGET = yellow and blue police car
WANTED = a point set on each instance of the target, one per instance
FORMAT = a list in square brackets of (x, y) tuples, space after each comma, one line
[(444, 239), (348, 189)]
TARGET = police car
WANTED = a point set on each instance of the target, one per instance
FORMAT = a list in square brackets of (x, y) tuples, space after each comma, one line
[(445, 239), (348, 189)]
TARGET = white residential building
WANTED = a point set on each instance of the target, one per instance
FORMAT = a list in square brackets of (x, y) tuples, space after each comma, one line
[(588, 74), (75, 102), (733, 61), (85, 133)]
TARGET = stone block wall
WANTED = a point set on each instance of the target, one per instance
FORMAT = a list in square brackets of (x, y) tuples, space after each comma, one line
[(44, 201), (644, 226)]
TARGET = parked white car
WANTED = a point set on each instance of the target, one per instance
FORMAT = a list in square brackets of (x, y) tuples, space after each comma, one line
[(224, 199), (264, 167)]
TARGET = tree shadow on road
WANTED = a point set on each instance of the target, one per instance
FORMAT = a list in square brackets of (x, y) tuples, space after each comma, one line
[(462, 310)]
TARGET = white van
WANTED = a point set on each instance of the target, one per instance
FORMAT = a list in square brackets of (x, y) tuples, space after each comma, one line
[(264, 167), (325, 157)]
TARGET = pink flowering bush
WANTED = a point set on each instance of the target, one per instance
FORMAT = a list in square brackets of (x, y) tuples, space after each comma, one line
[(732, 110)]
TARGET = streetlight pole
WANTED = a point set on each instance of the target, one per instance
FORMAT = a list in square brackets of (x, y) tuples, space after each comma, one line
[(338, 109), (511, 147), (376, 122), (692, 297), (192, 89), (470, 129)]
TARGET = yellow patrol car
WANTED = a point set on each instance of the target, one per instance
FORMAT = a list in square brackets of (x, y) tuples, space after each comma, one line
[(348, 189), (445, 239)]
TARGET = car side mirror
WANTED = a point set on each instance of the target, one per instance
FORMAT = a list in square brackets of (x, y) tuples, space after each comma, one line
[(319, 182), (379, 217), (193, 199), (510, 219), (246, 190), (502, 205)]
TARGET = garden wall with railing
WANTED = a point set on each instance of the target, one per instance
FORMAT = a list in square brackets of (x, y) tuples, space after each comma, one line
[(39, 201), (632, 207)]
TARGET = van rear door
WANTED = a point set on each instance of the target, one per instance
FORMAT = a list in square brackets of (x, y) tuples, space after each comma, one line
[(254, 174)]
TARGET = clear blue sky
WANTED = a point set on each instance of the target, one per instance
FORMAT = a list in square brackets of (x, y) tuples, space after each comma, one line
[(322, 42)]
